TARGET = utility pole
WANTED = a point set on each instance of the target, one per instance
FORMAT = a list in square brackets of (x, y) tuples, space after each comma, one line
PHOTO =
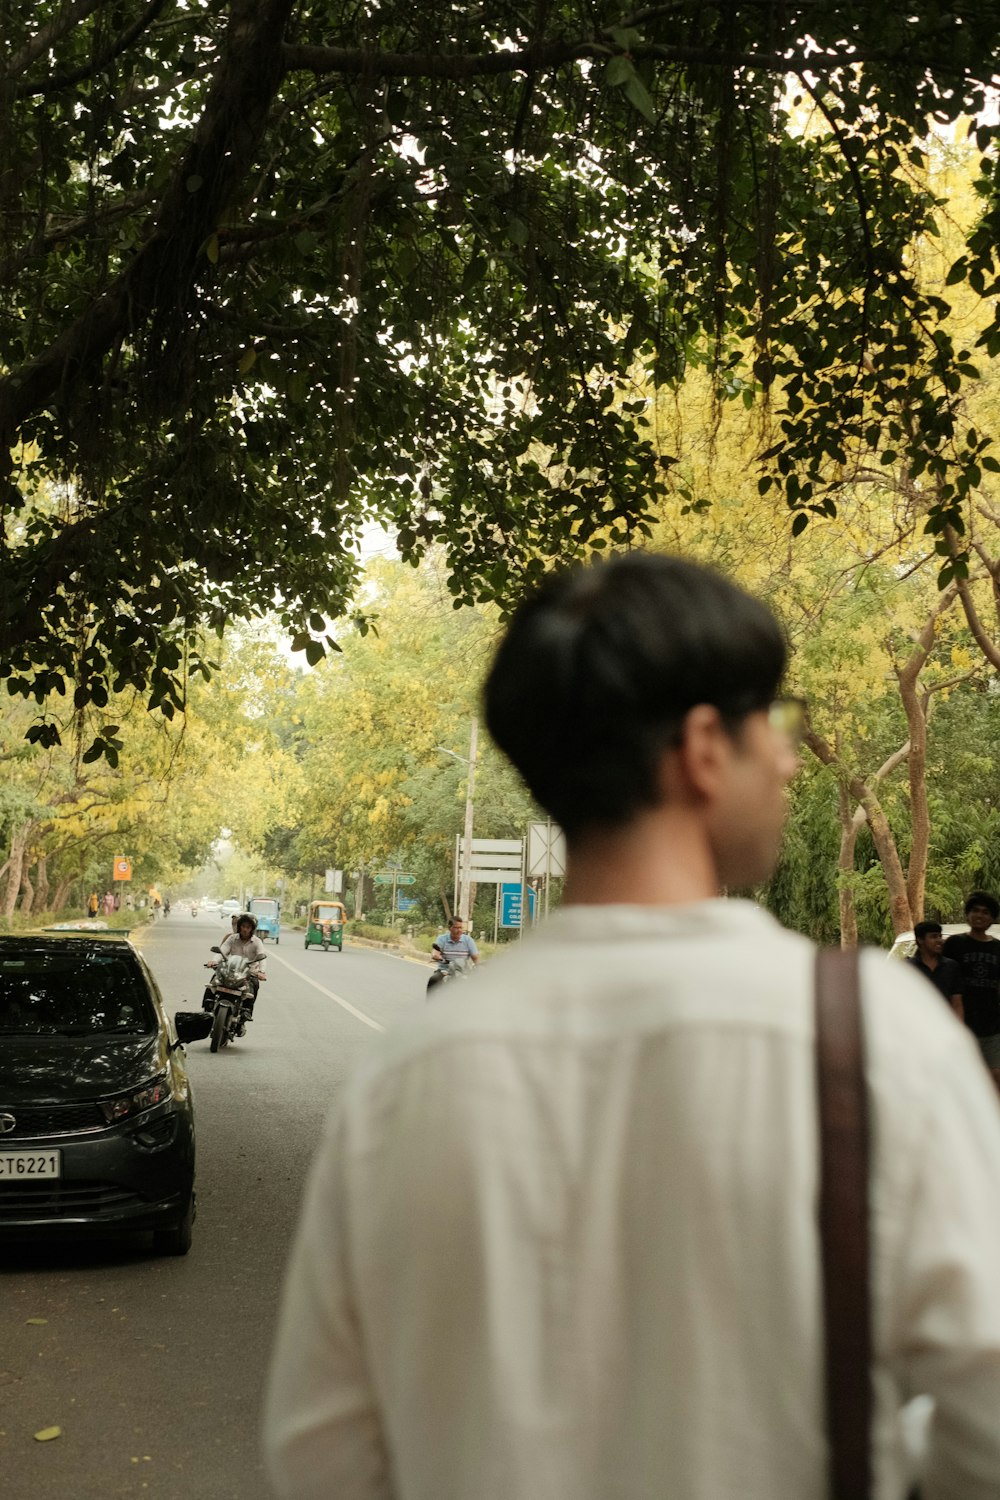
[(465, 901), (465, 885)]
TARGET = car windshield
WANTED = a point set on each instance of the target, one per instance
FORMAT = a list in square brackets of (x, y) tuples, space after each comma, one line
[(51, 993), (327, 914), (264, 908)]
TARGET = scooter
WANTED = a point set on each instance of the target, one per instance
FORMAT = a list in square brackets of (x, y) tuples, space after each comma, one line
[(230, 995), (194, 908), (448, 971)]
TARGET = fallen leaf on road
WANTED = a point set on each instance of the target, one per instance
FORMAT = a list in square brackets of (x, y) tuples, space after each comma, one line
[(36, 1322), (47, 1434)]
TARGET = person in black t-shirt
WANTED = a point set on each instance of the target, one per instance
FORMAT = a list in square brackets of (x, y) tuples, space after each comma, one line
[(978, 956), (943, 973)]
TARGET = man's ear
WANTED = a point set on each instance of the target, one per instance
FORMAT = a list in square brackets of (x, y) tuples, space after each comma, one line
[(701, 760)]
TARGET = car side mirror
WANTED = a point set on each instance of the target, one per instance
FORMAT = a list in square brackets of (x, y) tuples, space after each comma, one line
[(192, 1025), (215, 949)]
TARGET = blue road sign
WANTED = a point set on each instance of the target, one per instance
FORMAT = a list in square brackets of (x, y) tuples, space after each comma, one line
[(406, 903), (510, 904)]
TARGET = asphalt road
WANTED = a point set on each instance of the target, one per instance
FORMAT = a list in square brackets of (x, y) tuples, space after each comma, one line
[(153, 1368)]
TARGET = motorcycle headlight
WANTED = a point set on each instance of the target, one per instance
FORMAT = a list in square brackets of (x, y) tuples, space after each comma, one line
[(127, 1105)]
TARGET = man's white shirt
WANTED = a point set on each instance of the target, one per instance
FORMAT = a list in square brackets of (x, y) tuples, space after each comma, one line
[(559, 1240)]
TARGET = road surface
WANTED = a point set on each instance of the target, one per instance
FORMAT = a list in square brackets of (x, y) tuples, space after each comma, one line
[(153, 1368)]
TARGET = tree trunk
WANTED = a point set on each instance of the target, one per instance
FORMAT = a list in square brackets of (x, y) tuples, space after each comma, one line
[(27, 890), (62, 891), (445, 903), (18, 846), (916, 708), (42, 884), (851, 822), (892, 869), (885, 843)]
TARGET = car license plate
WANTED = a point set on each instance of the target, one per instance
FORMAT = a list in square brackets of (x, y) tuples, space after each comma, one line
[(24, 1166)]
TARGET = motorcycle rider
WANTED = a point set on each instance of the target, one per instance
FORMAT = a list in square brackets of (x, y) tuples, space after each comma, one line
[(455, 944), (243, 943)]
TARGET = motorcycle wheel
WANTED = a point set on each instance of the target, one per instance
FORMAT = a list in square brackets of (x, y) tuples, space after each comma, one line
[(219, 1023)]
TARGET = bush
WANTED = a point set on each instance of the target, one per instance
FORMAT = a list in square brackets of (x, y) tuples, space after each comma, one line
[(118, 921), (374, 931)]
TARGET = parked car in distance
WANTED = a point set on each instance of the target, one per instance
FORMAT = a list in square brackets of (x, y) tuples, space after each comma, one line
[(905, 945), (231, 907), (96, 1117)]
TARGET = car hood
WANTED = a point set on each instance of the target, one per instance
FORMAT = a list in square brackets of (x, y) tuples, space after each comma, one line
[(61, 1070)]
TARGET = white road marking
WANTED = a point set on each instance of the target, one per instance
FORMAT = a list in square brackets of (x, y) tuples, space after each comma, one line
[(339, 999)]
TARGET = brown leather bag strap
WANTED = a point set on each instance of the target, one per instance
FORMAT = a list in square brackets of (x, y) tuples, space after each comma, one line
[(843, 1222)]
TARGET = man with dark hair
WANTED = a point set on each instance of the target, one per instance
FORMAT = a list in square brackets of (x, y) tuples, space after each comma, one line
[(560, 1242), (978, 958), (943, 973)]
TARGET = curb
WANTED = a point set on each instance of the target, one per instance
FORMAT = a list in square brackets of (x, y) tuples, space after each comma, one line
[(395, 949)]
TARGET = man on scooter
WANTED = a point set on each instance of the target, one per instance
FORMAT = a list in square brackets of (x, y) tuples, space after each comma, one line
[(243, 943), (455, 945)]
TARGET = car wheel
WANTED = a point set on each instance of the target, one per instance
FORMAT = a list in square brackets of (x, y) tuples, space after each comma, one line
[(177, 1239), (307, 944)]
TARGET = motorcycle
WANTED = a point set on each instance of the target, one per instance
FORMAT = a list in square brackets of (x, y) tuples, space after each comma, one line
[(229, 993), (447, 971), (194, 908)]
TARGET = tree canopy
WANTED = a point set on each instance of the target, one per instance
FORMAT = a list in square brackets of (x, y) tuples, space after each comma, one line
[(270, 270)]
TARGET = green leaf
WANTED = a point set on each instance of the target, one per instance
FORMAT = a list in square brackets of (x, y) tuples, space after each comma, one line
[(212, 249), (618, 71), (639, 97), (193, 183)]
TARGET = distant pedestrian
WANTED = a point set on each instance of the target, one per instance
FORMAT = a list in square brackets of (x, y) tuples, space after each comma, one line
[(109, 903), (943, 973), (978, 957), (93, 904)]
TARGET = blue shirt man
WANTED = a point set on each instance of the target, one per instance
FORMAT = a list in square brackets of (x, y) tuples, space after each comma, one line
[(455, 944)]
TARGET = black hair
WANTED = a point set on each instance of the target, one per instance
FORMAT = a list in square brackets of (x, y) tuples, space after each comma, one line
[(600, 666), (923, 928), (983, 898)]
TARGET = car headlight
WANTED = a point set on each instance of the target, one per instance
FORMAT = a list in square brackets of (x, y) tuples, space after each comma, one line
[(127, 1105)]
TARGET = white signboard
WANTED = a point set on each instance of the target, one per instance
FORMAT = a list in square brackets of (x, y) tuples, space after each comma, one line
[(334, 882), (494, 861), (546, 849)]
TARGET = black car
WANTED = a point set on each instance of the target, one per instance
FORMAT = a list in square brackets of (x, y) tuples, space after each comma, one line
[(96, 1121)]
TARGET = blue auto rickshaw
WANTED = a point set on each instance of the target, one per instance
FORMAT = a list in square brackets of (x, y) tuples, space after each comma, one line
[(268, 914)]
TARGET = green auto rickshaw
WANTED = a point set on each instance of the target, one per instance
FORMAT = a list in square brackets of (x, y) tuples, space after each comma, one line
[(326, 925)]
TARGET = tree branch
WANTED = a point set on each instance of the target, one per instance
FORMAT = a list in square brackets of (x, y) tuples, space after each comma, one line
[(211, 169), (59, 81), (549, 55), (71, 229), (61, 24)]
